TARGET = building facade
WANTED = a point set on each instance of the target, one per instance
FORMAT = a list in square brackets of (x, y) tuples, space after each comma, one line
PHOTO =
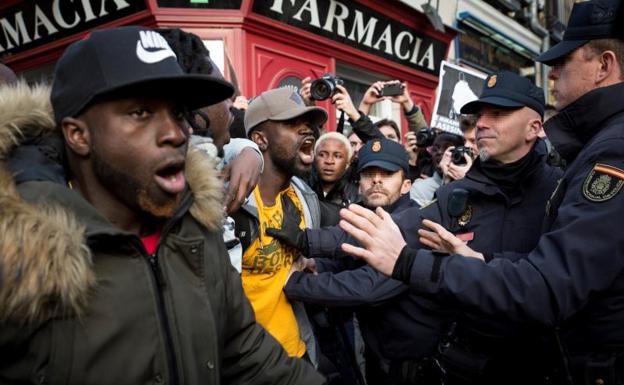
[(258, 44)]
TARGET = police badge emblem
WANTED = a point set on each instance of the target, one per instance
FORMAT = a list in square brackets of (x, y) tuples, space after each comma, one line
[(492, 81), (465, 218), (603, 182)]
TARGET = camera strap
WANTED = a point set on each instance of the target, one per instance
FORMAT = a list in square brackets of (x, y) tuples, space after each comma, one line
[(341, 121)]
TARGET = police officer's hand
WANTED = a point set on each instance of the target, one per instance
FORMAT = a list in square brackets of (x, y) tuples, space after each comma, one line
[(442, 240), (342, 101), (290, 234), (377, 232), (310, 265), (242, 174)]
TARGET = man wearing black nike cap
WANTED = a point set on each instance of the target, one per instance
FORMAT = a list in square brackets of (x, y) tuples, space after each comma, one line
[(118, 273)]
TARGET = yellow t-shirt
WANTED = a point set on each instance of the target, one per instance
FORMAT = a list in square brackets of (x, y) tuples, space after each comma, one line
[(266, 265)]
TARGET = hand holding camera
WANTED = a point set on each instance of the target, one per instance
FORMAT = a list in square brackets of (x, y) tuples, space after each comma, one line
[(410, 147), (304, 91), (382, 90), (461, 155), (425, 137), (324, 87), (456, 162), (342, 100)]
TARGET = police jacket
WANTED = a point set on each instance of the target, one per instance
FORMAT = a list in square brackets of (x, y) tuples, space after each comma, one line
[(81, 302), (405, 325), (574, 277), (355, 286)]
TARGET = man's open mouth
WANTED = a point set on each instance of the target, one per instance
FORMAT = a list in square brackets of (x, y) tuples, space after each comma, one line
[(170, 177), (306, 150)]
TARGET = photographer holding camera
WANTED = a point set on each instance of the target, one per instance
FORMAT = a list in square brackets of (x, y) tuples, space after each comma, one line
[(456, 161), (423, 190), (398, 92), (345, 189)]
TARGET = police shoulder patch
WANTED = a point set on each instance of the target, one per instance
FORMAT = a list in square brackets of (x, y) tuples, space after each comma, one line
[(603, 182)]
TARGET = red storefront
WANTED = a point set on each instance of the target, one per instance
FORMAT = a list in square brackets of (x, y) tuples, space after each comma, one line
[(263, 43)]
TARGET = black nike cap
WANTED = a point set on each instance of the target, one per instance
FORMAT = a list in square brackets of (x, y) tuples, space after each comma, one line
[(127, 60)]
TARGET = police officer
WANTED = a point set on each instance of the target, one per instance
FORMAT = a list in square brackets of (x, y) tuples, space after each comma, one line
[(382, 167), (485, 209), (574, 278)]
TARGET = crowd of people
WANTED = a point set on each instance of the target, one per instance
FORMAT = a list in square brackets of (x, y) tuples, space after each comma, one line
[(159, 227)]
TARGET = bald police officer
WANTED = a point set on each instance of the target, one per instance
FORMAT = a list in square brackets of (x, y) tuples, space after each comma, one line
[(574, 278)]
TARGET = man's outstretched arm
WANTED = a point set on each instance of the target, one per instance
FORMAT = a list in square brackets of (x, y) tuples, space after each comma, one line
[(578, 257)]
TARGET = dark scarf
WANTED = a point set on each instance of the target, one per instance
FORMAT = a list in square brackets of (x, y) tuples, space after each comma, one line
[(510, 176)]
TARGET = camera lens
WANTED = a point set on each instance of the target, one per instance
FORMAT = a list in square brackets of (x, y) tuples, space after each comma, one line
[(457, 156), (425, 137), (324, 87)]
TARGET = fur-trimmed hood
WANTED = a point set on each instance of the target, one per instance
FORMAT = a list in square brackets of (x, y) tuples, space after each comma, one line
[(45, 265)]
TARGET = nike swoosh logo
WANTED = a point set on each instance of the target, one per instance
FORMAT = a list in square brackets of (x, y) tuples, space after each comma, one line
[(151, 57)]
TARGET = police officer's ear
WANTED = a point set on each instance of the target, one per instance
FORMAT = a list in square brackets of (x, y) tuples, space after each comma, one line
[(609, 68), (406, 186), (77, 136), (535, 128)]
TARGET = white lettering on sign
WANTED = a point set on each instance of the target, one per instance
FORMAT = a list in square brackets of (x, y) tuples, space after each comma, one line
[(339, 18), (312, 7), (363, 30), (403, 45), (62, 15)]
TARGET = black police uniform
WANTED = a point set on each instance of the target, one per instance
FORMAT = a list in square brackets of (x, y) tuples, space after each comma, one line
[(403, 327), (574, 278)]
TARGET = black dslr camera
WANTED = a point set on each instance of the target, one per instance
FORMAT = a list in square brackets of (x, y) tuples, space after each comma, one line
[(324, 87), (425, 137), (457, 155)]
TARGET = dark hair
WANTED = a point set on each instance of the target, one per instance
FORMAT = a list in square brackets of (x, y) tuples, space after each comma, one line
[(190, 49), (194, 58), (598, 46), (454, 139), (391, 123), (467, 122)]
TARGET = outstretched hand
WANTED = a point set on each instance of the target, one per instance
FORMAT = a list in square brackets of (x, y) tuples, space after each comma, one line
[(380, 237), (443, 240)]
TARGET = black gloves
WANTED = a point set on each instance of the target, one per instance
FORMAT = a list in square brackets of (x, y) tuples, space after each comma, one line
[(290, 234)]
